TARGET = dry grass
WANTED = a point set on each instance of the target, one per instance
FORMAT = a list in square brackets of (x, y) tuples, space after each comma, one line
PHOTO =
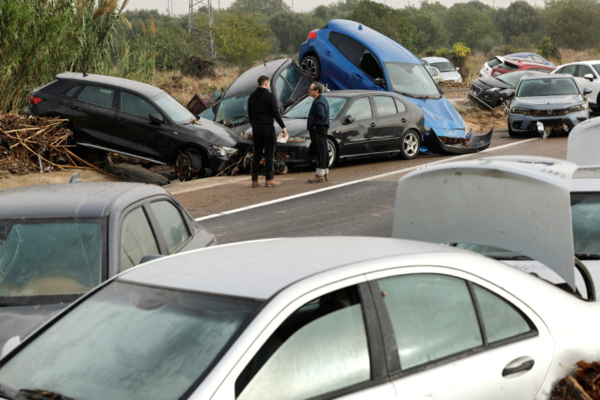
[(473, 65), (568, 56)]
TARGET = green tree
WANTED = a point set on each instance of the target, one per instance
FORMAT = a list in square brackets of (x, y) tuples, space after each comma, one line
[(265, 7), (388, 21), (242, 39), (291, 29), (471, 23), (571, 23), (519, 19), (428, 26)]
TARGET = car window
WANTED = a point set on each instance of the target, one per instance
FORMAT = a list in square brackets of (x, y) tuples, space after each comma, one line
[(597, 68), (292, 75), (302, 107), (233, 110), (400, 106), (335, 37), (445, 66), (370, 66), (41, 258), (135, 105), (569, 69), (537, 59), (131, 342), (172, 224), (421, 306), (547, 87), (385, 106), (361, 109), (351, 49), (583, 70), (137, 239), (320, 348), (71, 92), (97, 95), (284, 91), (493, 62), (585, 214), (500, 319)]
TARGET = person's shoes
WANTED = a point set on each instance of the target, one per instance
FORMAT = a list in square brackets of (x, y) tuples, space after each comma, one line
[(255, 183), (272, 183), (317, 179), (326, 177)]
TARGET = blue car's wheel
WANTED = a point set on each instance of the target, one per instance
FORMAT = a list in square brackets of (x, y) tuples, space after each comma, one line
[(310, 65)]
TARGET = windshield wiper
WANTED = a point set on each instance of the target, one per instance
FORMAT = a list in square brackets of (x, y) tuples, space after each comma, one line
[(508, 257), (584, 256), (38, 394)]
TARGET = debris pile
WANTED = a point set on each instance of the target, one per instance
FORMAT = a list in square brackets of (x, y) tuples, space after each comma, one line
[(201, 68), (585, 385)]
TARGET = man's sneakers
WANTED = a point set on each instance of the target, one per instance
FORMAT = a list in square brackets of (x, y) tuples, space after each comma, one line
[(272, 183), (317, 179), (255, 183), (326, 176)]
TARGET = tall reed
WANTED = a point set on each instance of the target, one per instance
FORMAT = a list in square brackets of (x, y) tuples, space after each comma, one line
[(43, 38)]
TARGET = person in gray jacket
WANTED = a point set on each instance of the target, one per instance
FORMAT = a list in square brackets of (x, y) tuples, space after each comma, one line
[(317, 125)]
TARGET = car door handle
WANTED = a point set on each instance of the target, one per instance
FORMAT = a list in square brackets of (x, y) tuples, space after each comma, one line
[(122, 120), (75, 108), (373, 124), (328, 52), (525, 366), (403, 120), (357, 77)]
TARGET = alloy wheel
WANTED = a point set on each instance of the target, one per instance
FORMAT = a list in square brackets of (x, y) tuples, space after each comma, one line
[(410, 144), (309, 67)]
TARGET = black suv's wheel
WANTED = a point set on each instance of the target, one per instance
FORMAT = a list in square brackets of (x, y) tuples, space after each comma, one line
[(410, 142), (187, 165), (310, 65)]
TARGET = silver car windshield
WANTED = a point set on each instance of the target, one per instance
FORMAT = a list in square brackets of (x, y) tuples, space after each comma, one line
[(129, 342), (411, 80), (233, 111), (41, 258), (443, 66), (512, 78), (547, 87), (174, 109), (301, 109)]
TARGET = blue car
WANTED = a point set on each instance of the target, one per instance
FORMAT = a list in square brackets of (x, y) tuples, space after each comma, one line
[(531, 57), (347, 55)]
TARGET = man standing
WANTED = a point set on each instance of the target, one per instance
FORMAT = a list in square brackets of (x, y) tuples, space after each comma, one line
[(262, 110), (317, 125)]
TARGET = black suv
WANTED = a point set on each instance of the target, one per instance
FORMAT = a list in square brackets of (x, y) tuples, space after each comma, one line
[(135, 119)]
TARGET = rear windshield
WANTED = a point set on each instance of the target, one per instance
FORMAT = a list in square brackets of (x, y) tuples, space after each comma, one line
[(508, 67), (129, 342), (493, 62), (39, 258), (301, 109), (547, 87)]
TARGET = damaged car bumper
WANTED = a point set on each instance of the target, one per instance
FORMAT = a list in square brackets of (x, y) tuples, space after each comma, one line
[(556, 120), (458, 145)]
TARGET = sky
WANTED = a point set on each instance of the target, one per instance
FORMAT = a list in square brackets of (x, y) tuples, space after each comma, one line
[(182, 6)]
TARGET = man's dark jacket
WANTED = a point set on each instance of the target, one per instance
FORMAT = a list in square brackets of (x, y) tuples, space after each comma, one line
[(319, 113), (263, 109)]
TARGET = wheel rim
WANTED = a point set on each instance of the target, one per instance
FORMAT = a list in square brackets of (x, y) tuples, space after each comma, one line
[(410, 144), (331, 152), (309, 66), (506, 105), (183, 167)]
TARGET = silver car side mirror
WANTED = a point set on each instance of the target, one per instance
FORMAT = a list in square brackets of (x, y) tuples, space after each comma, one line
[(587, 90), (589, 77)]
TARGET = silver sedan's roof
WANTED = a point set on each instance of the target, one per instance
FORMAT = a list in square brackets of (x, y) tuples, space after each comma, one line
[(260, 269)]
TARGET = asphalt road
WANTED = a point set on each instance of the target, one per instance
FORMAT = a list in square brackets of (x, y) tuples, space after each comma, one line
[(358, 199)]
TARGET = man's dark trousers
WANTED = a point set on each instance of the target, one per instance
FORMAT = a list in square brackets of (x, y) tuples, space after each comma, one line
[(319, 138), (264, 140)]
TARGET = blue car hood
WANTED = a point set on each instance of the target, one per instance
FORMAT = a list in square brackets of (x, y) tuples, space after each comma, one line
[(441, 116)]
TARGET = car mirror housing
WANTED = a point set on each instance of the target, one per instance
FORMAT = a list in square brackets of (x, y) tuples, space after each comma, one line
[(379, 81), (587, 90), (457, 68), (156, 118), (348, 119), (510, 93), (589, 77)]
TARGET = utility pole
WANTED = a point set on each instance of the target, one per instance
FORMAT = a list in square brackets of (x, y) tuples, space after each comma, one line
[(209, 14)]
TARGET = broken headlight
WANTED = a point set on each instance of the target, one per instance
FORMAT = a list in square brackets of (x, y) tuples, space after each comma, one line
[(223, 151), (580, 107), (517, 110)]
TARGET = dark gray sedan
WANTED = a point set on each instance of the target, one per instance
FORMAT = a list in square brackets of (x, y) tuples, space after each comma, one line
[(363, 123), (59, 241)]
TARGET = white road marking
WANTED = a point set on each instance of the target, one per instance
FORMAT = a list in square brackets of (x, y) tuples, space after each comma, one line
[(400, 171)]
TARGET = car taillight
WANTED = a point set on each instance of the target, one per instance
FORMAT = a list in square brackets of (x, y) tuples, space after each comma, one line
[(312, 35), (35, 100)]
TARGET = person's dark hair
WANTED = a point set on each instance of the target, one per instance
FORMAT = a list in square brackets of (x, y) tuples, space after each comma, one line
[(262, 79), (318, 87)]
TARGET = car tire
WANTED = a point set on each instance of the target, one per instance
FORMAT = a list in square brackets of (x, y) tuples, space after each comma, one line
[(410, 142), (333, 152), (512, 133), (310, 66), (506, 105), (187, 165)]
